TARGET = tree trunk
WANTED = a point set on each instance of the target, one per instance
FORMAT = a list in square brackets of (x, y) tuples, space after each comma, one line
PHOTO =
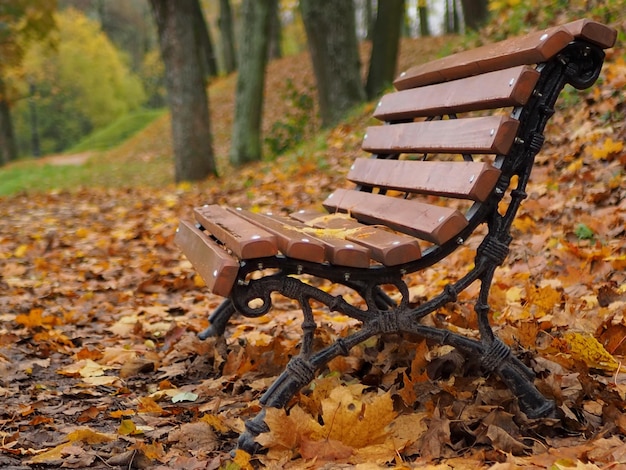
[(8, 147), (452, 17), (384, 58), (203, 39), (227, 32), (331, 37), (276, 32), (369, 18), (422, 7), (475, 13), (186, 89), (253, 49)]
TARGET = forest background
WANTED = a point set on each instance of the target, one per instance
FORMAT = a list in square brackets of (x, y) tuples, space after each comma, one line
[(99, 362)]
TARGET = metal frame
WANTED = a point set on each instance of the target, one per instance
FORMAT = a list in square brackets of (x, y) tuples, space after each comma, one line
[(578, 64)]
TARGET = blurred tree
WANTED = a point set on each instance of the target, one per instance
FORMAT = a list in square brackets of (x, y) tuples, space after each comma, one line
[(227, 32), (153, 79), (475, 13), (451, 24), (127, 23), (186, 89), (385, 44), (276, 33), (422, 9), (331, 36), (81, 84), (203, 38), (253, 51), (21, 23)]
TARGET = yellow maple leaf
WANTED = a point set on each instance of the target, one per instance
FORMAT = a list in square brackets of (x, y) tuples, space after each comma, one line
[(609, 147), (89, 436), (242, 459), (20, 251), (127, 427), (543, 299), (355, 420), (524, 224), (586, 348), (215, 421)]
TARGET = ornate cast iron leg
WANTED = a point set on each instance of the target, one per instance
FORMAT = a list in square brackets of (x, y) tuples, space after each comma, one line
[(219, 319)]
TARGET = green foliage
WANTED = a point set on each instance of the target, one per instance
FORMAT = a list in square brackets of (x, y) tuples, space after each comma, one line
[(31, 175), (297, 124), (153, 79), (584, 232), (21, 22), (118, 131), (26, 176), (82, 84)]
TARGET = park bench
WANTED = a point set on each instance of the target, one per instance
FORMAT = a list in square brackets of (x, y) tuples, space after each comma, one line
[(455, 152)]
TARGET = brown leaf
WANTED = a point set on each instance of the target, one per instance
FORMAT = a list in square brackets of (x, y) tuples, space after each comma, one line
[(437, 436), (194, 436), (503, 441)]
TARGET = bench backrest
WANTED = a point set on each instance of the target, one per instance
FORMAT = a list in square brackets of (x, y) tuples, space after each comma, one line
[(460, 127)]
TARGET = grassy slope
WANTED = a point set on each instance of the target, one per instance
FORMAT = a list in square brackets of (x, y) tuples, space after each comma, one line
[(145, 158)]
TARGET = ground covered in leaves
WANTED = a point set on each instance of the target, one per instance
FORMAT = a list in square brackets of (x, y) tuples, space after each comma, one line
[(100, 366)]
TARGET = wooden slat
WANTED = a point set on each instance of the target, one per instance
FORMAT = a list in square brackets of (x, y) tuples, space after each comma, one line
[(217, 267), (491, 134), (291, 242), (592, 31), (503, 88), (388, 248), (531, 49), (464, 180), (338, 251), (428, 222), (246, 240)]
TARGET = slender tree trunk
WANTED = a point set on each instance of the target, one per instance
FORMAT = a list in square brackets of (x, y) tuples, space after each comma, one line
[(227, 32), (253, 50), (276, 32), (475, 13), (422, 7), (331, 37), (203, 38), (384, 58), (452, 17), (8, 146), (186, 89), (369, 18)]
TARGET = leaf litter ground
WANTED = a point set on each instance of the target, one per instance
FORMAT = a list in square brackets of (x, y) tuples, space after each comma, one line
[(100, 366)]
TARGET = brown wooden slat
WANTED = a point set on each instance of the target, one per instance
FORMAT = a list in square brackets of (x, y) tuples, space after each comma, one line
[(217, 267), (338, 251), (428, 222), (531, 49), (598, 33), (291, 242), (246, 240), (464, 180), (388, 248), (490, 134), (503, 88)]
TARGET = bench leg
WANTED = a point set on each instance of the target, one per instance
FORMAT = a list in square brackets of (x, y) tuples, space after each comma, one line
[(219, 319), (382, 316), (497, 357)]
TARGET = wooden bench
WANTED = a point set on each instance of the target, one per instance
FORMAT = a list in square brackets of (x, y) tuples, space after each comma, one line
[(456, 151)]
